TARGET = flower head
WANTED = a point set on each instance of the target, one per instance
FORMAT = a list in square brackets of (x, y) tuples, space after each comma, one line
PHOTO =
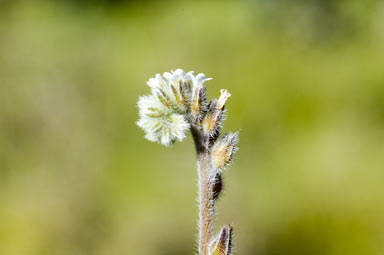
[(176, 99)]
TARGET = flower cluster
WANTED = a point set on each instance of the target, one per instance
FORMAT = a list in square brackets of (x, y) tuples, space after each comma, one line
[(177, 99)]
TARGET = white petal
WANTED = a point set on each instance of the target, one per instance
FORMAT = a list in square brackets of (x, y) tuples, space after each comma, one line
[(152, 137), (189, 76), (168, 76), (180, 72), (178, 127), (200, 77), (153, 83), (165, 138), (223, 98), (159, 78)]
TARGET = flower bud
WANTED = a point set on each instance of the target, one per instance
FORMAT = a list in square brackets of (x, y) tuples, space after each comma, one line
[(213, 120), (223, 150), (198, 103), (222, 245)]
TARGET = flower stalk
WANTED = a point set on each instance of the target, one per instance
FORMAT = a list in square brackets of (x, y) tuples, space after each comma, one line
[(178, 103)]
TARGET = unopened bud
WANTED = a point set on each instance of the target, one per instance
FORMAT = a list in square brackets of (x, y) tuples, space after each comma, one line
[(222, 245), (223, 150), (213, 120), (198, 102)]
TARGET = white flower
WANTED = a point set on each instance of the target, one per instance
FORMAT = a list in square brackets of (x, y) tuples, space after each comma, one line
[(199, 80), (165, 113), (151, 106), (223, 98), (165, 129)]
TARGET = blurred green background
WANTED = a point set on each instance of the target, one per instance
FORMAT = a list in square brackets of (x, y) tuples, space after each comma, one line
[(77, 176)]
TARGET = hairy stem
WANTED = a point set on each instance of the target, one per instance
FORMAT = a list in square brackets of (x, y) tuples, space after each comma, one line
[(206, 203)]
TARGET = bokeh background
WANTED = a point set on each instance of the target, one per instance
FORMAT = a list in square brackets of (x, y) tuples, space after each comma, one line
[(77, 176)]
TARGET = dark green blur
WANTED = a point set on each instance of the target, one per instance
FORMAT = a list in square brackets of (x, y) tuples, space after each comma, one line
[(77, 176)]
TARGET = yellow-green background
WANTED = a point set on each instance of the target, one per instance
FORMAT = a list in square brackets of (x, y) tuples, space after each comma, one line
[(77, 176)]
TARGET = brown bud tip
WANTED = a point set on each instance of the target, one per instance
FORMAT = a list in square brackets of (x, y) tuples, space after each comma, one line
[(216, 186), (222, 244)]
